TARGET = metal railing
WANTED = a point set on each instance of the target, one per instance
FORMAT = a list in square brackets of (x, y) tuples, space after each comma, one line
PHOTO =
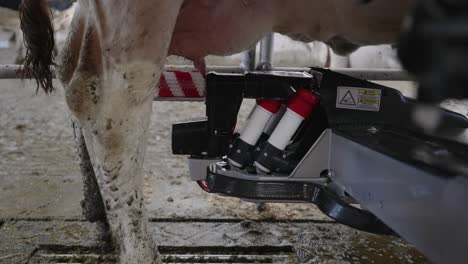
[(16, 72)]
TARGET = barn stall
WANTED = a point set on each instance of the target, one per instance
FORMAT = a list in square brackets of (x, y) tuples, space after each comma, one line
[(41, 220)]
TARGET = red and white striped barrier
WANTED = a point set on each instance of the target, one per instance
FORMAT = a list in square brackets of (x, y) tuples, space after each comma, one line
[(176, 83), (181, 84)]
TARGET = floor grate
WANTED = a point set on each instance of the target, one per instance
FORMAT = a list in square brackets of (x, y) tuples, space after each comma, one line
[(173, 255)]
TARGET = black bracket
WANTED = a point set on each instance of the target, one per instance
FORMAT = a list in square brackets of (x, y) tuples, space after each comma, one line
[(328, 202)]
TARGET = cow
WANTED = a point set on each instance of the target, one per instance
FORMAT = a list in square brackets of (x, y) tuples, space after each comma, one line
[(113, 58), (374, 57)]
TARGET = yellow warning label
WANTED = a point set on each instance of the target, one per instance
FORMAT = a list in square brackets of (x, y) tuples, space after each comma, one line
[(368, 101), (369, 92), (356, 98)]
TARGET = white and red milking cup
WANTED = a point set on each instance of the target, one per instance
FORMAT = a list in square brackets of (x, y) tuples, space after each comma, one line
[(252, 131), (299, 108)]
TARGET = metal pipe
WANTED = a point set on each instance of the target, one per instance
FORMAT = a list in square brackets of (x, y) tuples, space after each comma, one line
[(15, 71), (221, 69), (376, 74), (266, 53), (11, 71), (360, 73), (249, 59), (179, 99)]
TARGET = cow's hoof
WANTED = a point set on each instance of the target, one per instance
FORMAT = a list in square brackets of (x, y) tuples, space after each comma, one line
[(105, 234), (92, 211), (143, 251)]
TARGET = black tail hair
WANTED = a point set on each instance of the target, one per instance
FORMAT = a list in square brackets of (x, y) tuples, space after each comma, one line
[(38, 33)]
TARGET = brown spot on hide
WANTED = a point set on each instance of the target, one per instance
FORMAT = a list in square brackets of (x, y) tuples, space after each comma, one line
[(130, 201), (109, 124), (144, 33), (112, 140), (108, 207)]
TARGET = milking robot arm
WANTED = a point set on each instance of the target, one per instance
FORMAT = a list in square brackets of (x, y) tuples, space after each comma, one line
[(333, 140), (359, 142)]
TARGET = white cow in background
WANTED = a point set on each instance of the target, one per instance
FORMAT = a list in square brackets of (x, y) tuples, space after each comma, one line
[(372, 57), (292, 53)]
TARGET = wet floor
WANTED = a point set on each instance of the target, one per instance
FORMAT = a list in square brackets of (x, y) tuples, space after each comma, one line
[(201, 242)]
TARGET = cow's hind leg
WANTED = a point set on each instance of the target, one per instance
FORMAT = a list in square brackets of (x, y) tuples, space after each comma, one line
[(114, 124), (110, 93), (92, 203)]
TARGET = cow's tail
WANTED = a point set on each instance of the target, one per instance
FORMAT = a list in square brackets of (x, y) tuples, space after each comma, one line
[(38, 32)]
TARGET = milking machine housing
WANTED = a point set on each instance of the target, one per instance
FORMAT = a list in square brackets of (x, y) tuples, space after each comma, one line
[(361, 145)]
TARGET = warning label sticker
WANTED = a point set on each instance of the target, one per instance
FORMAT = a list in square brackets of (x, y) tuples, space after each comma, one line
[(364, 99)]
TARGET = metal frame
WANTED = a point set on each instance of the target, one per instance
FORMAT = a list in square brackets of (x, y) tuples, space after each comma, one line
[(15, 72), (426, 209), (266, 53)]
